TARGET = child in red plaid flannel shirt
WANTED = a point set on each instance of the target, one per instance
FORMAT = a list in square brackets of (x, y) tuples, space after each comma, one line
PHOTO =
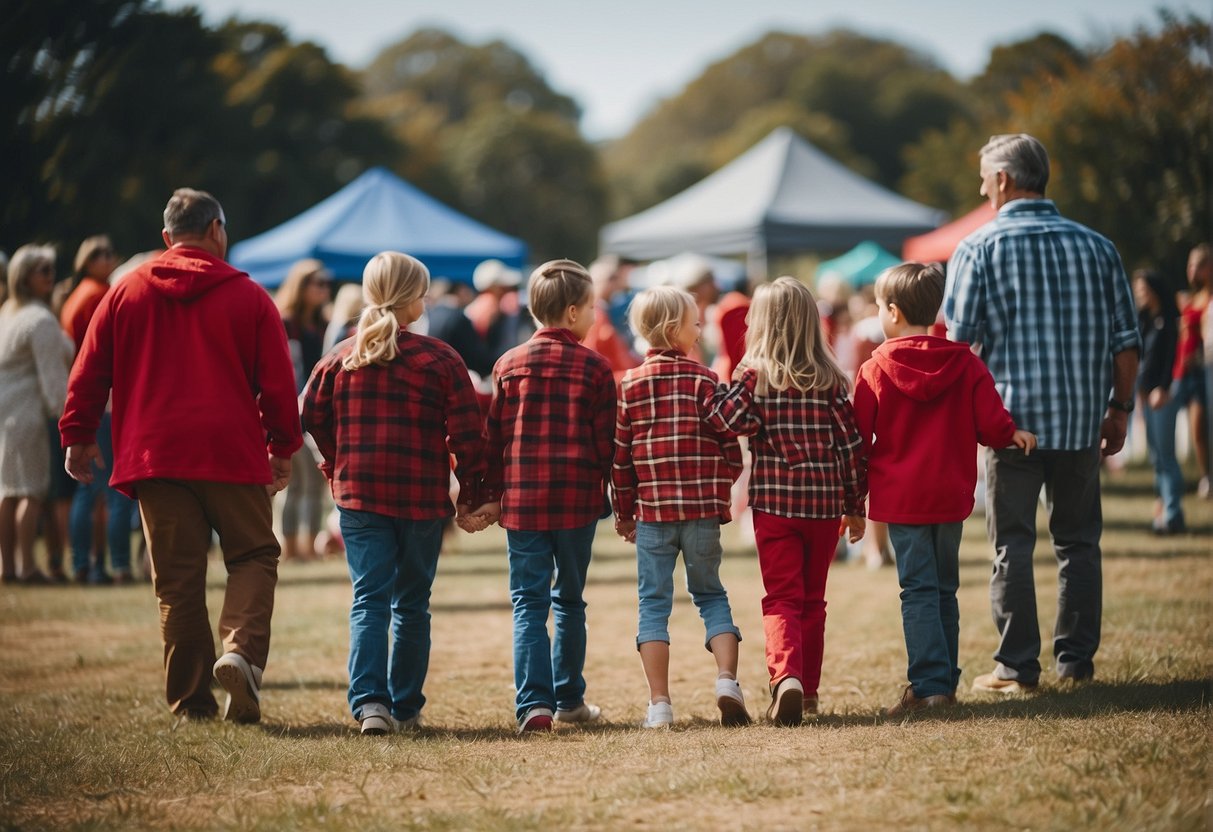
[(809, 471), (551, 436), (671, 481), (384, 408)]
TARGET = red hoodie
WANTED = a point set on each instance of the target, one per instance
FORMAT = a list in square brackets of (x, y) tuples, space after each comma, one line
[(929, 402), (202, 379)]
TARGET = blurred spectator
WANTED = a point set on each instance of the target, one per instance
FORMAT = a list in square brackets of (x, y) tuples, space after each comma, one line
[(343, 319), (449, 323), (694, 274), (603, 338), (34, 359), (1157, 318), (496, 311), (301, 301), (730, 322), (1189, 372)]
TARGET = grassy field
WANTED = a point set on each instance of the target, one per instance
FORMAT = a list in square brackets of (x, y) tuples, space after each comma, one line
[(86, 741)]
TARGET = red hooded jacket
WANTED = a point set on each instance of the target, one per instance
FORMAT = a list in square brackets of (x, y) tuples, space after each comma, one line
[(928, 402), (202, 380)]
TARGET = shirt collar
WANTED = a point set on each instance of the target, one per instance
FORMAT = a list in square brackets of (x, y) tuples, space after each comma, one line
[(1028, 206), (557, 333), (663, 353)]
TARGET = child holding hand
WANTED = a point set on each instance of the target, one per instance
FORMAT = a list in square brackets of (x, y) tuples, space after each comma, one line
[(923, 403), (671, 479), (808, 472), (386, 409)]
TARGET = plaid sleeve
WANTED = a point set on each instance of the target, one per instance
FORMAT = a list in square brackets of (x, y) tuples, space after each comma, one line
[(604, 418), (494, 476), (731, 411), (964, 295), (317, 410), (853, 462), (623, 471), (466, 437), (730, 448), (1125, 334)]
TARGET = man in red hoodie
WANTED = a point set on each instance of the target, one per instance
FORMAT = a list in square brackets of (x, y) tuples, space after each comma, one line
[(928, 401), (205, 421)]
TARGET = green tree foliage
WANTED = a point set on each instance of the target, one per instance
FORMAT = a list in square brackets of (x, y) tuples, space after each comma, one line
[(487, 134)]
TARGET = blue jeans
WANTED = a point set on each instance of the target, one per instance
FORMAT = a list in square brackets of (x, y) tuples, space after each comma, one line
[(1168, 478), (547, 571), (118, 509), (657, 547), (928, 569), (392, 564)]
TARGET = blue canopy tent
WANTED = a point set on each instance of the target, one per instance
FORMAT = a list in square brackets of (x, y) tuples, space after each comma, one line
[(378, 211), (861, 265)]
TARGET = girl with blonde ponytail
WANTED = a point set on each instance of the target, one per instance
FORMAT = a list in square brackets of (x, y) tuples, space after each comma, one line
[(387, 409)]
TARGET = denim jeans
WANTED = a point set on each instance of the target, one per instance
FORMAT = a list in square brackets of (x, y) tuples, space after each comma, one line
[(547, 571), (1071, 483), (392, 564), (928, 569), (1168, 478), (118, 510), (657, 547)]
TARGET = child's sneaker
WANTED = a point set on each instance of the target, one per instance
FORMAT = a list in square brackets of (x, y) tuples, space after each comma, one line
[(660, 715), (242, 682), (535, 720), (376, 719), (585, 712), (810, 707), (787, 702), (731, 703)]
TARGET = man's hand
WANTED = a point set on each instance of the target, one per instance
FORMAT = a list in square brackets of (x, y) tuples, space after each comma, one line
[(280, 470), (1112, 431), (856, 524), (80, 461)]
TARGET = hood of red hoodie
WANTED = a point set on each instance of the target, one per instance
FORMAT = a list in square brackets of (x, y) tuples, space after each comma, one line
[(922, 366), (185, 273)]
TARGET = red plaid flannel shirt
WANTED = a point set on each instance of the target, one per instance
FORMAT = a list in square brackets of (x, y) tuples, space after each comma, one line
[(669, 466), (551, 433), (808, 454), (384, 431)]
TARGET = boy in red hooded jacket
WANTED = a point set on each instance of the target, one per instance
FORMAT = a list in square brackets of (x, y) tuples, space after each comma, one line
[(922, 404)]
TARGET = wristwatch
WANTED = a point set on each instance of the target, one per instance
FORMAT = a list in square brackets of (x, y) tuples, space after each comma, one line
[(1125, 406)]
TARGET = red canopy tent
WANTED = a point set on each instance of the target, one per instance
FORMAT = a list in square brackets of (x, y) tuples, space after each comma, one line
[(938, 245)]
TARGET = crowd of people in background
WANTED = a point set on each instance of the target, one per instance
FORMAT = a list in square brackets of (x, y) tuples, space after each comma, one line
[(514, 373)]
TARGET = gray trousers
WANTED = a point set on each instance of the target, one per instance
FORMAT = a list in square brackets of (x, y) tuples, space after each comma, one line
[(1071, 483)]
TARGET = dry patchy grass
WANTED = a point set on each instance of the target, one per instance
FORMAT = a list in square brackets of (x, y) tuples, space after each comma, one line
[(86, 742)]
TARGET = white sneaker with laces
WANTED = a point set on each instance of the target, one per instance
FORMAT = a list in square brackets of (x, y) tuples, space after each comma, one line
[(585, 712), (376, 719), (242, 682), (660, 715), (731, 703)]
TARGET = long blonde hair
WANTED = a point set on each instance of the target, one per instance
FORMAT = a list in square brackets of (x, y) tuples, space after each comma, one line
[(389, 281), (784, 342)]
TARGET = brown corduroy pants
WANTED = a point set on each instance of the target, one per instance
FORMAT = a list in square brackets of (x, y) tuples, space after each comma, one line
[(178, 519)]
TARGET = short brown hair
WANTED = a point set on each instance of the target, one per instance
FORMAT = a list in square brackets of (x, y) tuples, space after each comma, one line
[(554, 287), (916, 288), (189, 213)]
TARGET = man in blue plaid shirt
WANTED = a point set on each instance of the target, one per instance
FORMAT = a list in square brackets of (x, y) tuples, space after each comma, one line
[(1046, 303)]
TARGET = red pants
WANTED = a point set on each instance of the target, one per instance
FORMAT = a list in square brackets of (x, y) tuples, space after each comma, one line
[(794, 554)]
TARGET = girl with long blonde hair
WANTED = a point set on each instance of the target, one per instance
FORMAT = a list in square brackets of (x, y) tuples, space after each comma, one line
[(387, 409), (809, 472)]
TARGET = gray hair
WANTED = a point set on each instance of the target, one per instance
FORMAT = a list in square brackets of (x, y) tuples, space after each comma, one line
[(1021, 157), (189, 213), (26, 261)]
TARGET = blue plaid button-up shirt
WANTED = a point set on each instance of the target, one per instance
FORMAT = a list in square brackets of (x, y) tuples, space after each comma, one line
[(1047, 304)]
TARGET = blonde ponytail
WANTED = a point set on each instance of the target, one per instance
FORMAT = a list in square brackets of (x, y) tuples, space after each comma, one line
[(390, 280)]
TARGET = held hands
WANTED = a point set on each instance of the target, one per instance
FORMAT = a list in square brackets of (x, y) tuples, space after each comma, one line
[(855, 524), (1025, 441), (626, 529), (479, 519), (280, 472), (80, 461)]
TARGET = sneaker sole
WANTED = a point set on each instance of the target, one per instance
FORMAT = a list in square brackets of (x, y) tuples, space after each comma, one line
[(538, 725), (241, 705), (788, 708), (732, 712), (1006, 690), (378, 729)]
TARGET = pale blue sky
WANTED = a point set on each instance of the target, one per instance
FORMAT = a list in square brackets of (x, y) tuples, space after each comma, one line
[(619, 57)]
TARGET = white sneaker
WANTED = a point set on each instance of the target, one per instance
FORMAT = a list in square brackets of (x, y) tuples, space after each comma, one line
[(585, 712), (242, 682), (376, 719), (660, 715), (731, 703), (787, 702), (413, 723)]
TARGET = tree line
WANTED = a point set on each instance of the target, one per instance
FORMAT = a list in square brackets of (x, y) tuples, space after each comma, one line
[(109, 105)]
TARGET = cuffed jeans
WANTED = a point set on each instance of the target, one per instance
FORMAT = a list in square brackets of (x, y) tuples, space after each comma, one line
[(1071, 483), (794, 555), (928, 569), (1168, 478), (548, 571), (118, 513), (657, 547), (392, 564), (178, 519)]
